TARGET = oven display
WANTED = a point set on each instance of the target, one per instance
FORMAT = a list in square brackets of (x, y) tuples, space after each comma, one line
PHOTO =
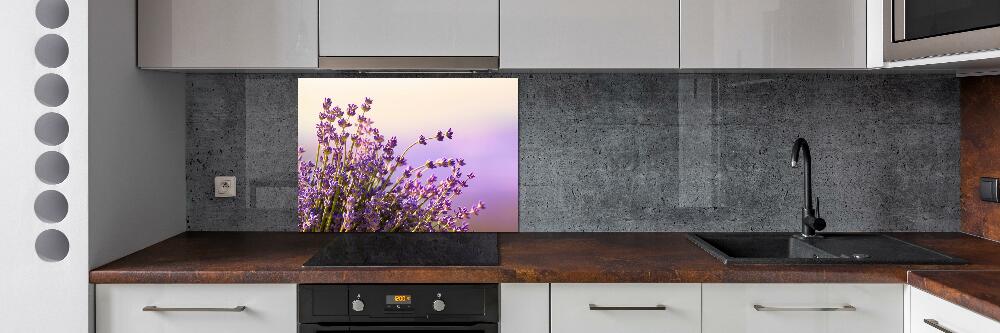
[(398, 299), (398, 303)]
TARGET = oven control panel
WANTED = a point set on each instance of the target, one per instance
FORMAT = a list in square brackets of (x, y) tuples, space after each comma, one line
[(398, 303)]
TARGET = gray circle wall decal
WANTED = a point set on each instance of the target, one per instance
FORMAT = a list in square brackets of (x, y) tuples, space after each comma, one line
[(52, 167), (51, 206), (51, 90), (52, 13), (51, 129), (52, 245), (51, 51)]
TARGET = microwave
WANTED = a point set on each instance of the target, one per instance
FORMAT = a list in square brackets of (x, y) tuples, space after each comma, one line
[(915, 29)]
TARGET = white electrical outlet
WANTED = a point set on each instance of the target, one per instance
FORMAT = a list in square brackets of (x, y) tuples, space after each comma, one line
[(225, 187)]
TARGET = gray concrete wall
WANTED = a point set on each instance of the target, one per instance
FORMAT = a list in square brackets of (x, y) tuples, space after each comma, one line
[(640, 152), (136, 140)]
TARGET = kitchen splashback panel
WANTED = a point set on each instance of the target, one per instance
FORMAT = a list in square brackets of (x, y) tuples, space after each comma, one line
[(638, 152)]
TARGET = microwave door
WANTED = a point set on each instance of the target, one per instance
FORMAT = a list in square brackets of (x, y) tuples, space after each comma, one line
[(916, 19), (915, 29)]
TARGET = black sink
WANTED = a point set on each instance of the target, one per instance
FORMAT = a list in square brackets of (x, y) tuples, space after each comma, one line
[(835, 248)]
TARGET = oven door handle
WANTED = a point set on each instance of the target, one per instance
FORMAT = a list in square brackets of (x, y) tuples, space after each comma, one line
[(476, 328), (484, 328)]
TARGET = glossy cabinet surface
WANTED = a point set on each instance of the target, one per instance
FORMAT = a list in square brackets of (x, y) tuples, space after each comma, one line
[(524, 308), (227, 34), (626, 307), (802, 308), (407, 28), (270, 308), (773, 34), (589, 34), (927, 309)]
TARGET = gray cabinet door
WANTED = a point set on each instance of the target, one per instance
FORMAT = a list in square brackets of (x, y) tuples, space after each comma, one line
[(227, 34), (409, 28), (773, 34), (583, 34)]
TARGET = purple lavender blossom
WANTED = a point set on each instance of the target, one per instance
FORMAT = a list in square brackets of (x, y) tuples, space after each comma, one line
[(353, 183)]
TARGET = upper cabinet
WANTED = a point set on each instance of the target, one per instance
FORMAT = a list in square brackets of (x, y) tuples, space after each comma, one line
[(581, 34), (509, 34), (214, 34), (775, 34), (400, 34)]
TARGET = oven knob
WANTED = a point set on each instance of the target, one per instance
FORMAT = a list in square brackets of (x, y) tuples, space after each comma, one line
[(358, 305), (438, 305)]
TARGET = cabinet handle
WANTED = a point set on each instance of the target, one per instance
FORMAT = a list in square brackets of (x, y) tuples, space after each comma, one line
[(759, 307), (935, 324), (657, 307), (154, 308)]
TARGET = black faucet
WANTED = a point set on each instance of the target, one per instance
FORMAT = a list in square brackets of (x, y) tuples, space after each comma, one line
[(810, 221)]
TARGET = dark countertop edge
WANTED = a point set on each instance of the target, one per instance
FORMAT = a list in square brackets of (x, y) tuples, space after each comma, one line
[(963, 288)]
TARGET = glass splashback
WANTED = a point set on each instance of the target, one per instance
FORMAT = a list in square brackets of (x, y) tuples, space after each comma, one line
[(407, 154)]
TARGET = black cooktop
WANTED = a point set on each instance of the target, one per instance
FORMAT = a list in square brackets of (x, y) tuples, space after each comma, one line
[(408, 249)]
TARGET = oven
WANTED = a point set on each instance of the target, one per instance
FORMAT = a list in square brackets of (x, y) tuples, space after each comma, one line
[(385, 308), (916, 29)]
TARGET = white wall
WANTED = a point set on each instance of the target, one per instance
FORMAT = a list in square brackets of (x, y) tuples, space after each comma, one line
[(124, 187), (137, 185), (38, 295)]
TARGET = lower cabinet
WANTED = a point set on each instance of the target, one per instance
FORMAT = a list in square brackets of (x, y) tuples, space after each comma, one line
[(625, 307), (524, 308), (195, 308), (930, 314), (802, 308), (569, 307)]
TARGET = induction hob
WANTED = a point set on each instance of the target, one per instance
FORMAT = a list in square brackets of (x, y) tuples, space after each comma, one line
[(408, 249)]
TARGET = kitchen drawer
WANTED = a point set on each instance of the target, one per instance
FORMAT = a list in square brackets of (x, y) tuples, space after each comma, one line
[(269, 308), (625, 307), (948, 316), (802, 308)]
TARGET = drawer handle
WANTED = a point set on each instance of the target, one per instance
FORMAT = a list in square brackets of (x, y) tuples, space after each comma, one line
[(657, 307), (935, 324), (759, 307), (154, 308)]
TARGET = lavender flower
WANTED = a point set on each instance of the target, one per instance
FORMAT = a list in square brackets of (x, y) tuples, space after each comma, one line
[(353, 184)]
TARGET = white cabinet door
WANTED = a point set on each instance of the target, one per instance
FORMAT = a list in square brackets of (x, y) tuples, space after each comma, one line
[(625, 307), (409, 28), (227, 33), (802, 308), (270, 308), (773, 34), (524, 308), (589, 34), (930, 314)]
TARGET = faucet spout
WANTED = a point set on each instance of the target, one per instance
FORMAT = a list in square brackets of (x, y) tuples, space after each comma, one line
[(810, 222)]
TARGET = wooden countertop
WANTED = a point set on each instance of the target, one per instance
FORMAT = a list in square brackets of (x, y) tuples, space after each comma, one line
[(974, 290), (268, 257)]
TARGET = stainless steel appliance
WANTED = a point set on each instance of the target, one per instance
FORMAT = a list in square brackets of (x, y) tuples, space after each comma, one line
[(916, 29), (384, 308)]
